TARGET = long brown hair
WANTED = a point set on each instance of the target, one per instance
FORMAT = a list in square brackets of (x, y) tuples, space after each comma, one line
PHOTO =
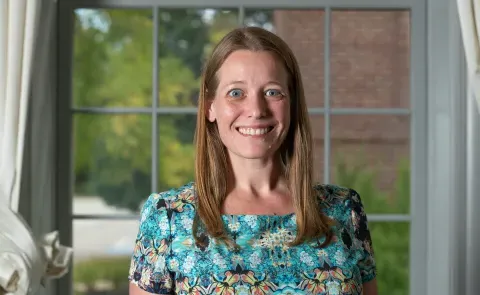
[(211, 161)]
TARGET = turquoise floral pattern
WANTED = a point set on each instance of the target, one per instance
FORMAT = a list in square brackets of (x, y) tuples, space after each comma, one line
[(166, 259)]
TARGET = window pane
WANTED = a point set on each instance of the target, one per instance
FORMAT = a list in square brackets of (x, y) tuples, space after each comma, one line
[(177, 154), (102, 251), (186, 37), (391, 243), (318, 136), (303, 30), (370, 59), (112, 63), (370, 153), (112, 161)]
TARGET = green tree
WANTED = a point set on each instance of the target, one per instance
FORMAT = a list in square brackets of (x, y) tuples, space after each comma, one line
[(112, 67)]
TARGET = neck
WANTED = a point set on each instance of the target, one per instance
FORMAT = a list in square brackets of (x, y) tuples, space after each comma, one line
[(256, 176)]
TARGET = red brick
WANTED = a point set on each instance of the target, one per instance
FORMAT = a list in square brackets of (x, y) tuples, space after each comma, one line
[(369, 68)]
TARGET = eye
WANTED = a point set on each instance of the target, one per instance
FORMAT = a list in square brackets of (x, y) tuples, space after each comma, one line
[(235, 93), (275, 93)]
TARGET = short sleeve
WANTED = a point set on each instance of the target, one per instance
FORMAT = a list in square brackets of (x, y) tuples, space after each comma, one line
[(148, 268), (363, 240)]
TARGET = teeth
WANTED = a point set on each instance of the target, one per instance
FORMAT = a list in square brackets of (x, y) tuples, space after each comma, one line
[(253, 131)]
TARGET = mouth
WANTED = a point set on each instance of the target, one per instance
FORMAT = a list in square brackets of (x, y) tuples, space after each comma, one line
[(255, 131)]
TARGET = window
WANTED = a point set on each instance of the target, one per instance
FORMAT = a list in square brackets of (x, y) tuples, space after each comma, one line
[(131, 114)]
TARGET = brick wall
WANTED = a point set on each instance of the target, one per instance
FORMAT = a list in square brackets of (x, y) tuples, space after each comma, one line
[(369, 68)]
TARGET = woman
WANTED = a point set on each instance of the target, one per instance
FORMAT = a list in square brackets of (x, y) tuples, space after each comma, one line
[(253, 222)]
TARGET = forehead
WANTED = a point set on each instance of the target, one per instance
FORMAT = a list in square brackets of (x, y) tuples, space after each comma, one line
[(251, 67)]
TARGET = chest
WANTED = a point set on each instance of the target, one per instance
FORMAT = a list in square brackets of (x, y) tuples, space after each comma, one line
[(264, 263)]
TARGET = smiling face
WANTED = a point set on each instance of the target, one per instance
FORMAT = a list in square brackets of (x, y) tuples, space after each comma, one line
[(251, 106)]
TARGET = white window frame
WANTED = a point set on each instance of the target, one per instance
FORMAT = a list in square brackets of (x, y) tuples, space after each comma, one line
[(439, 118), (450, 183)]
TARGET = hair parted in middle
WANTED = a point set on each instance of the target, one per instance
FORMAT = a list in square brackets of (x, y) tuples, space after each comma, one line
[(211, 158)]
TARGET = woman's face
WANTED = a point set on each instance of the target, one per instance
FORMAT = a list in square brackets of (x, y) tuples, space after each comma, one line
[(251, 106)]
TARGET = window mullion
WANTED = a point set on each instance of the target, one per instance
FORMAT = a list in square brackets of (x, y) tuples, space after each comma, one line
[(326, 58), (241, 16), (155, 101)]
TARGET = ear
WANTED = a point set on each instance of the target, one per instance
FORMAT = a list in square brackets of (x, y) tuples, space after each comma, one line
[(210, 113)]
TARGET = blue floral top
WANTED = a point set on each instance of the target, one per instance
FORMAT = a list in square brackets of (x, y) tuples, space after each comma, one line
[(166, 259)]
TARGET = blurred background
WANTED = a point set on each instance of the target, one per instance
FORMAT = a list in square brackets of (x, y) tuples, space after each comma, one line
[(135, 80)]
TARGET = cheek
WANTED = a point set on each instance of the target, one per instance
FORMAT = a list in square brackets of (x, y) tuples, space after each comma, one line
[(225, 115), (228, 112), (282, 113)]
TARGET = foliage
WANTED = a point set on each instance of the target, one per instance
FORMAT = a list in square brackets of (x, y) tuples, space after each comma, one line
[(113, 271), (390, 239), (112, 68)]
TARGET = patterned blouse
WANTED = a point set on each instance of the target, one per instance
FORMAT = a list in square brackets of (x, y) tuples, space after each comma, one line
[(166, 259)]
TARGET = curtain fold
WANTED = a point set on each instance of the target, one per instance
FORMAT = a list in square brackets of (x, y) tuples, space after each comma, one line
[(26, 260), (469, 15)]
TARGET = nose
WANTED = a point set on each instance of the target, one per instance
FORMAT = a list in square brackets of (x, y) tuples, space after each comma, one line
[(257, 106)]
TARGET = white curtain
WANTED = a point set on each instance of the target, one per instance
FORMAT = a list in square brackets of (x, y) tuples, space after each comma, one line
[(469, 14), (25, 261)]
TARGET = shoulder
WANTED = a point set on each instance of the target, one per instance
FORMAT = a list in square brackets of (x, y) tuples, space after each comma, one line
[(338, 202), (175, 199), (331, 194), (345, 207)]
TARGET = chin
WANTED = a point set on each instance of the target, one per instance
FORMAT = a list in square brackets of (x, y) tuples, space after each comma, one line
[(253, 154)]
